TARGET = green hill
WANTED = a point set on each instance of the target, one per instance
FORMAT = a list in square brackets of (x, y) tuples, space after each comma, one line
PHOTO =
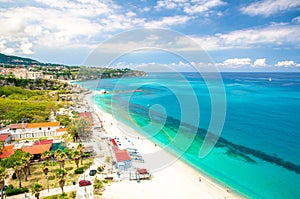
[(14, 60)]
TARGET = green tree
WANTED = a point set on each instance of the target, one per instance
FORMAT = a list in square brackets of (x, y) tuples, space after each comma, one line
[(27, 158), (63, 119), (80, 128), (60, 157), (18, 167), (81, 148), (60, 175), (45, 167), (46, 155), (24, 167), (75, 155), (36, 190)]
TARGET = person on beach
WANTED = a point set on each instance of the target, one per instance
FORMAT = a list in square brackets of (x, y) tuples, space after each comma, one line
[(227, 189), (200, 179)]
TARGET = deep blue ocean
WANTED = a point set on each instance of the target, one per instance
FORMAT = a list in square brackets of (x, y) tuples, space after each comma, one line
[(258, 151)]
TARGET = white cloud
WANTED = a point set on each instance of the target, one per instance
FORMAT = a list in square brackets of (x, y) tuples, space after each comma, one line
[(235, 63), (8, 51), (63, 24), (4, 49), (167, 21), (202, 6), (269, 7), (286, 63), (189, 7), (273, 35), (26, 48), (260, 63)]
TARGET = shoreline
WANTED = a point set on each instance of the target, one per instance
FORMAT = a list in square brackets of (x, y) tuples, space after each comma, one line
[(182, 179)]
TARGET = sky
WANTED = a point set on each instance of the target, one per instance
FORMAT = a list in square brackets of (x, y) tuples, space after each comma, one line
[(237, 35)]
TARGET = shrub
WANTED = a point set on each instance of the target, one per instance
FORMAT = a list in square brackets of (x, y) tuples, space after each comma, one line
[(78, 171), (86, 155), (63, 196), (14, 176), (100, 168), (15, 191), (69, 168)]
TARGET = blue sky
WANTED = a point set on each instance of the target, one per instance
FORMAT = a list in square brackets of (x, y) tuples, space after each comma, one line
[(238, 35)]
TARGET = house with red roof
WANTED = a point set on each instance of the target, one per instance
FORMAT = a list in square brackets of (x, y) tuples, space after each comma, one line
[(34, 148), (123, 160)]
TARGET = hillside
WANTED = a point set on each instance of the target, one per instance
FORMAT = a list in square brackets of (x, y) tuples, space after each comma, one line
[(10, 60)]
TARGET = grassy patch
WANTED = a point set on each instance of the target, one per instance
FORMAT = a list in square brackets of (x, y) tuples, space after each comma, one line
[(38, 176), (70, 195)]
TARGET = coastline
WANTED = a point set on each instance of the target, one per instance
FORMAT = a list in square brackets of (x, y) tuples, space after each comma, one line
[(175, 180)]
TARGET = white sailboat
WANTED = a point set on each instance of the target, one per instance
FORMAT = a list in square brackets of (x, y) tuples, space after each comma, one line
[(270, 79)]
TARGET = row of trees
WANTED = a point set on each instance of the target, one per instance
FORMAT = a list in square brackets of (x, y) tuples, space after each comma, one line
[(20, 162)]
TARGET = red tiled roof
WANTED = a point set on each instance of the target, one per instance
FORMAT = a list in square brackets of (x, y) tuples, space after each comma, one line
[(85, 114), (7, 151), (122, 155), (18, 126), (41, 142), (37, 149), (4, 136), (43, 124)]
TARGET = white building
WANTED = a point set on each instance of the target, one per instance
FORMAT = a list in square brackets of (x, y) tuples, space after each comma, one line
[(34, 75), (35, 130)]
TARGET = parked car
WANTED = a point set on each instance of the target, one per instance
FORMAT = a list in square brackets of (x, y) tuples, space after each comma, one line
[(93, 172), (83, 183)]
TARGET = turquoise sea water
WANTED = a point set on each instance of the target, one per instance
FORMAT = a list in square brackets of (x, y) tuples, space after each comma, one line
[(258, 151)]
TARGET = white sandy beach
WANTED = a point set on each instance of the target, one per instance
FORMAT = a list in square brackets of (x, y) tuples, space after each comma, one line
[(173, 180)]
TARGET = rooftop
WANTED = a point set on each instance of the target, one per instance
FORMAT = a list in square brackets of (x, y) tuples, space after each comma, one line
[(61, 130), (121, 155), (7, 151), (37, 149), (41, 142), (85, 114), (43, 124), (18, 126)]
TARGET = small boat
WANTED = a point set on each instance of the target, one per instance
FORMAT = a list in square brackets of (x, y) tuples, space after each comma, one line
[(270, 79)]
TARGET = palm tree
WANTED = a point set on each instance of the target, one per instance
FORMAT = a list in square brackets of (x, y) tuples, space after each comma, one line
[(17, 166), (75, 155), (36, 190), (80, 148), (3, 175), (46, 155), (45, 168), (24, 167), (60, 157), (27, 156), (60, 175)]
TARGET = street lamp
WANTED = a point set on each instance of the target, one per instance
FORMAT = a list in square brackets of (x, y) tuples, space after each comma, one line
[(47, 182)]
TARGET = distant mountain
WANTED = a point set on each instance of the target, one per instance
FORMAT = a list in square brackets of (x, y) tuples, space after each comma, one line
[(10, 60)]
